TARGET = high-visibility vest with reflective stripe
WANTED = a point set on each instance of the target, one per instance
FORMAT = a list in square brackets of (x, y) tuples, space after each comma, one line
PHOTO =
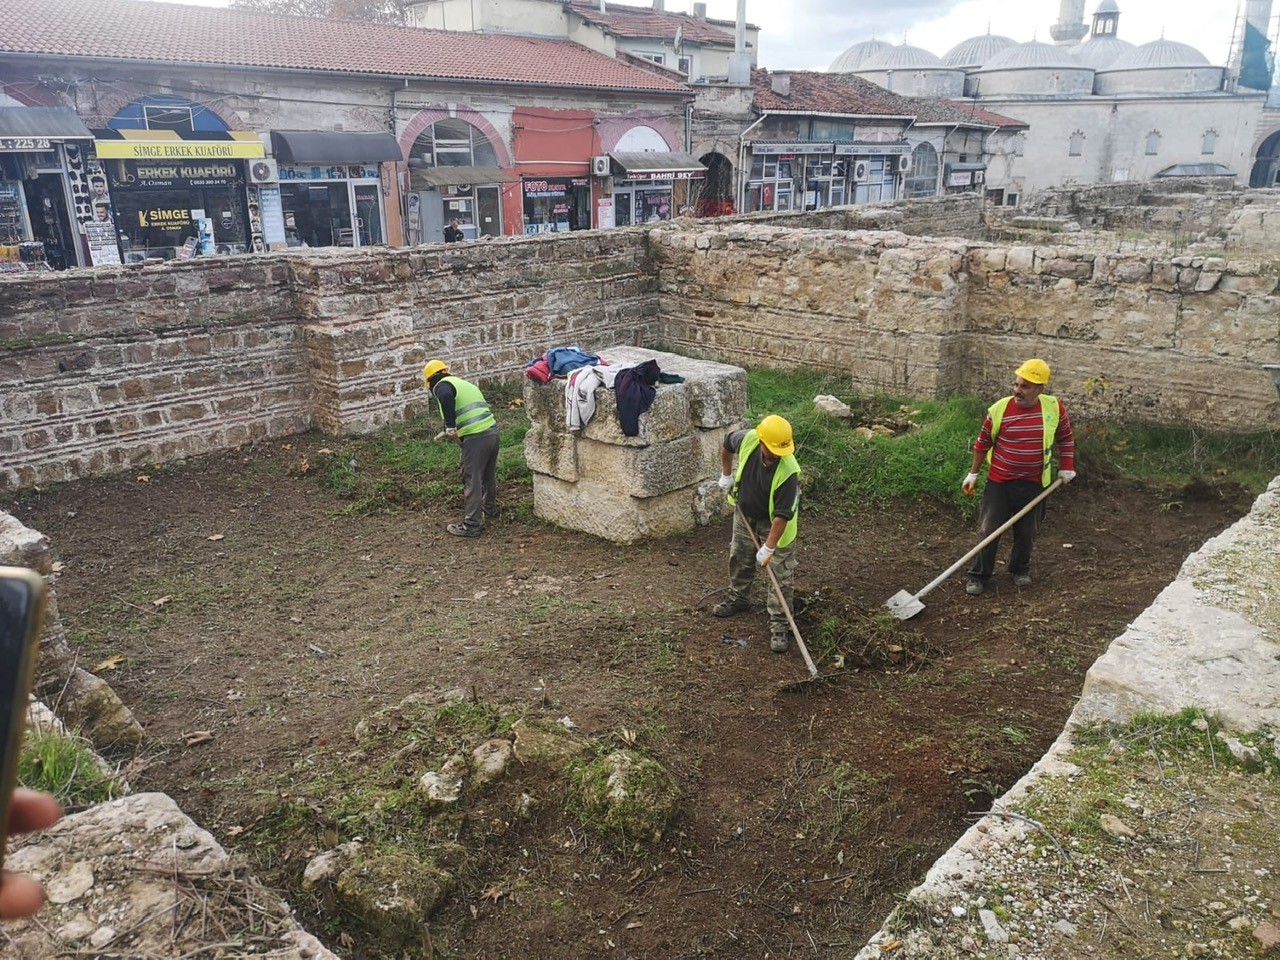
[(787, 467), (1048, 413), (471, 410)]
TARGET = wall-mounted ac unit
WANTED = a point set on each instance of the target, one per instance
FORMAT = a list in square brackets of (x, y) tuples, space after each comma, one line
[(904, 163), (979, 176), (263, 171), (860, 171), (600, 166)]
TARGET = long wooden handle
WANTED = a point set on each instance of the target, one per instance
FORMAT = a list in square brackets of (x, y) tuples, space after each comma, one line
[(777, 588), (990, 537)]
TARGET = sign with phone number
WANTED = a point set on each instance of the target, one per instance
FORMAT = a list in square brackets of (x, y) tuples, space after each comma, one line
[(25, 143)]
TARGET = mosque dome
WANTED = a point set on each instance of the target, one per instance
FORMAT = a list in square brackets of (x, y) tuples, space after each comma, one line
[(1101, 52), (976, 51), (1032, 55), (1160, 55), (904, 57), (853, 58)]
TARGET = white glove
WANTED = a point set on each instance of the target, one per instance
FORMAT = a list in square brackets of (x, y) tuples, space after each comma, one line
[(1066, 476), (725, 481), (970, 481), (451, 433), (764, 555)]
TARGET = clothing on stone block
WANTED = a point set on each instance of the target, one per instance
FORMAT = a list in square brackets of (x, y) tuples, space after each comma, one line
[(636, 388)]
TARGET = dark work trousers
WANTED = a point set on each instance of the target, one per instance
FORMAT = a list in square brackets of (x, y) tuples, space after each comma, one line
[(743, 567), (480, 476), (1000, 501)]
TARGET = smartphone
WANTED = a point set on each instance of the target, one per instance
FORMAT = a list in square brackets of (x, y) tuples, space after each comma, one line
[(21, 616)]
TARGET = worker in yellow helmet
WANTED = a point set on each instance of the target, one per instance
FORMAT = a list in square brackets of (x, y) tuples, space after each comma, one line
[(1017, 439), (469, 421), (766, 490)]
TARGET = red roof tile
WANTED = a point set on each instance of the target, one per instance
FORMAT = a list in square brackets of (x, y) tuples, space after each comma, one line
[(987, 116), (132, 30), (813, 92), (645, 22)]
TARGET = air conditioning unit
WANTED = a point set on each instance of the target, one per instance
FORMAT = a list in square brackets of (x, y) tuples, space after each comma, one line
[(860, 171), (904, 163), (601, 166), (979, 176), (263, 171)]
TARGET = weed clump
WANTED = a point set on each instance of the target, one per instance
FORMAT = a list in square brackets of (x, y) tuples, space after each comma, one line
[(623, 795)]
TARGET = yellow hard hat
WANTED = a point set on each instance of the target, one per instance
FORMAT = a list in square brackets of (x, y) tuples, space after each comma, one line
[(432, 368), (775, 434), (1034, 371)]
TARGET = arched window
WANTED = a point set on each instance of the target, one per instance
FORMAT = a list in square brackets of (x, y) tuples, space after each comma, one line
[(922, 177), (1210, 142), (1075, 146), (454, 143), (1153, 143)]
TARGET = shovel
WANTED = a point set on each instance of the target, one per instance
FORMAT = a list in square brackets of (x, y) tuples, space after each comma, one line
[(905, 605), (777, 588)]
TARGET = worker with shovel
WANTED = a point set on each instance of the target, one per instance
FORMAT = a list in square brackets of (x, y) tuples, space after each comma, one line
[(1017, 440), (468, 421), (766, 491)]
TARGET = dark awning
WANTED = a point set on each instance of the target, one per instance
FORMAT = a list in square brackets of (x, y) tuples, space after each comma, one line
[(422, 177), (962, 167), (659, 166), (1197, 170), (42, 125), (333, 146)]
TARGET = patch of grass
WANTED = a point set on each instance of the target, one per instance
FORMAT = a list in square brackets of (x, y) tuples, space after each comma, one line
[(1179, 457), (65, 766)]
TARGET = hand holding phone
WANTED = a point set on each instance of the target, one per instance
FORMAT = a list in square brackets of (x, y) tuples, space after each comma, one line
[(21, 616)]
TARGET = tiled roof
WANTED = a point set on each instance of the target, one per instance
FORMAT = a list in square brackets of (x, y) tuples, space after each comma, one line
[(132, 30), (969, 108), (813, 92), (647, 23)]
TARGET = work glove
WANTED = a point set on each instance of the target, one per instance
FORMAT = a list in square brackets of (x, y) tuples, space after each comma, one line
[(451, 433), (725, 481), (1066, 476), (970, 481), (764, 555)]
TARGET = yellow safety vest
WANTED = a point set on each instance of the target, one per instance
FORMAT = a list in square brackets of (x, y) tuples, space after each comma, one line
[(787, 467), (1048, 412), (470, 409)]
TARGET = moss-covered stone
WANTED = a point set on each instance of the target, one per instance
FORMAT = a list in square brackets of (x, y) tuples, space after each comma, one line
[(545, 741), (625, 795), (392, 897)]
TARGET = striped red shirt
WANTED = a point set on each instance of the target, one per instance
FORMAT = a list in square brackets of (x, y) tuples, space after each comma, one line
[(1019, 446)]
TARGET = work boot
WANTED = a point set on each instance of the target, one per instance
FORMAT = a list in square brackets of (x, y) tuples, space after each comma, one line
[(974, 587), (1022, 579), (779, 642), (493, 513), (730, 607), (462, 530)]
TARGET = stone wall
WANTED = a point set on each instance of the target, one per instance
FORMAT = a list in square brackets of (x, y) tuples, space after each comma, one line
[(960, 215), (1186, 206), (1163, 340), (113, 368)]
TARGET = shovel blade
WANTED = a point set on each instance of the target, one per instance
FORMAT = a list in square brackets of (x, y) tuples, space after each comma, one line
[(904, 605)]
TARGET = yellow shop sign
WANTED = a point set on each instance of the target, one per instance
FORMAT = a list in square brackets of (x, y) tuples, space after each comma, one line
[(179, 149)]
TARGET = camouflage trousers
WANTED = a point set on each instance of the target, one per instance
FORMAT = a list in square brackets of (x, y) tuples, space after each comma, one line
[(743, 569)]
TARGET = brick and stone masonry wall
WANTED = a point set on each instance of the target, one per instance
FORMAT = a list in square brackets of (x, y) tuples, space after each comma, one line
[(959, 215), (113, 368), (1177, 340)]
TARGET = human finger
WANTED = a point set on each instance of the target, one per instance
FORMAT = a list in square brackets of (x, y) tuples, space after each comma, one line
[(20, 896), (31, 810)]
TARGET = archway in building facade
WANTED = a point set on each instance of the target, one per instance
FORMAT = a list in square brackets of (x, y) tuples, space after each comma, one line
[(717, 189), (455, 173), (922, 177), (1266, 163)]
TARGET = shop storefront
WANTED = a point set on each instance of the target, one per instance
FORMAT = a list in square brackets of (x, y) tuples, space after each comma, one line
[(46, 209), (331, 187), (651, 187), (470, 195), (178, 194), (557, 204), (816, 175)]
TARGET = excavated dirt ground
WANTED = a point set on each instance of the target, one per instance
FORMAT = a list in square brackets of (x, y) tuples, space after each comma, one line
[(231, 596)]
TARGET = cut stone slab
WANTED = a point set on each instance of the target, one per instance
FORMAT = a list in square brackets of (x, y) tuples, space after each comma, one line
[(541, 740), (611, 514), (717, 392), (392, 897)]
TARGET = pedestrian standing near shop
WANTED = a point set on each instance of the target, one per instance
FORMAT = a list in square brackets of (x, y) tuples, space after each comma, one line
[(469, 421), (1018, 439), (453, 232), (766, 492)]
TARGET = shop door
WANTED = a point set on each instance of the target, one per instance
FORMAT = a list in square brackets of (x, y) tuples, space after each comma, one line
[(488, 212), (368, 209), (47, 210)]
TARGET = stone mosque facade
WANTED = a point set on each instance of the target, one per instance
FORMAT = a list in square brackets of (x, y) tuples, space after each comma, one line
[(1099, 108)]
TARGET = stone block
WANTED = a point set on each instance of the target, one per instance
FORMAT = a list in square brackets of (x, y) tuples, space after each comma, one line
[(665, 420), (717, 391), (651, 471), (552, 450), (606, 512)]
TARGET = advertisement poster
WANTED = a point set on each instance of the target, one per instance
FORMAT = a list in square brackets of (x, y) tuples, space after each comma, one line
[(272, 213), (604, 213), (103, 248)]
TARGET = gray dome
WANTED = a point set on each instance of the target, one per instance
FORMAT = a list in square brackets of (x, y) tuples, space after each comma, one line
[(853, 58), (976, 51), (1035, 54), (1160, 54), (1100, 52), (905, 57), (1107, 6)]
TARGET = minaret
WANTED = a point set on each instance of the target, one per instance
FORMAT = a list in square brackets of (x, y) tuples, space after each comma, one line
[(1106, 19), (1070, 28), (1249, 67)]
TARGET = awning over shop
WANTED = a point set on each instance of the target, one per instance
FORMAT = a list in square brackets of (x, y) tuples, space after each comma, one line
[(175, 145), (37, 128), (659, 166), (334, 146), (962, 167), (423, 177), (1197, 170)]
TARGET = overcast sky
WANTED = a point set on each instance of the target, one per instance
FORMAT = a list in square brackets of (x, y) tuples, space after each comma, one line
[(809, 34)]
